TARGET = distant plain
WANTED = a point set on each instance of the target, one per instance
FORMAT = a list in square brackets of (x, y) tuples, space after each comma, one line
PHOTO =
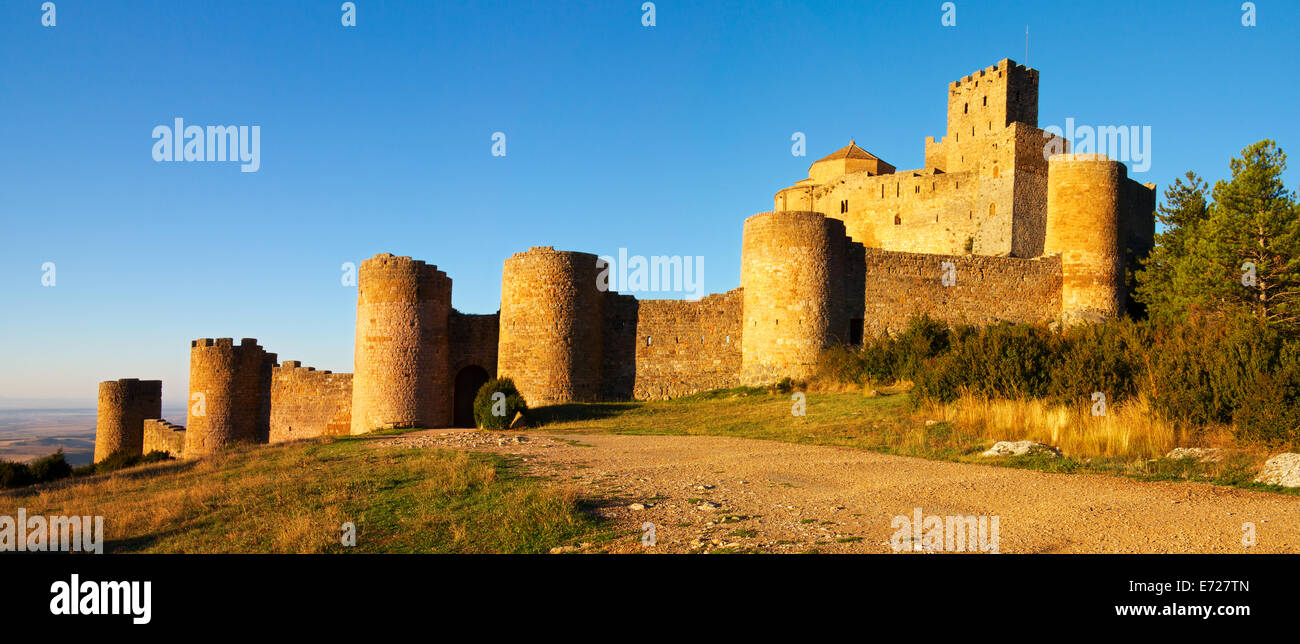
[(26, 434)]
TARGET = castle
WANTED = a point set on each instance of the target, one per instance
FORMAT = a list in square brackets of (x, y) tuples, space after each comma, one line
[(993, 228)]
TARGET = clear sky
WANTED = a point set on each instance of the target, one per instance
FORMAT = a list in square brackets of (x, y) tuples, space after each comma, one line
[(377, 138)]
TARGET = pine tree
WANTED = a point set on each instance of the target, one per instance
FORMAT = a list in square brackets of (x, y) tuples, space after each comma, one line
[(1162, 283), (1252, 240), (1238, 254)]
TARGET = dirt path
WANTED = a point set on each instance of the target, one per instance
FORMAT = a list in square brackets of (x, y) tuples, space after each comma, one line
[(782, 497)]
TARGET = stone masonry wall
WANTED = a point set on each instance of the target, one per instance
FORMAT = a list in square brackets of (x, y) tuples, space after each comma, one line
[(401, 357), (987, 289), (552, 322), (792, 268), (306, 403), (229, 398), (473, 341), (162, 436), (123, 407), (683, 347)]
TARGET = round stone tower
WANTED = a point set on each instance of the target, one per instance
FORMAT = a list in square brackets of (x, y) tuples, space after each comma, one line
[(1083, 226), (793, 267), (230, 395), (124, 405), (552, 316), (402, 356)]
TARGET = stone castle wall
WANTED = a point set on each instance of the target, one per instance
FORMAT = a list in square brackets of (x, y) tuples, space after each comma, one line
[(1083, 226), (306, 403), (792, 267), (683, 347), (402, 356), (162, 436), (122, 409), (552, 322), (986, 289), (232, 384), (618, 364), (473, 340)]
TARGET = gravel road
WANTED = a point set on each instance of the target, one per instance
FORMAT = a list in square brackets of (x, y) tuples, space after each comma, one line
[(708, 494)]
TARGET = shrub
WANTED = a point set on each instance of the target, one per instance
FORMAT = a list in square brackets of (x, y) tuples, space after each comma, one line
[(13, 474), (886, 358), (787, 385), (1200, 371), (1197, 371), (923, 338), (1097, 357), (999, 361), (484, 403), (119, 460), (51, 468), (841, 364)]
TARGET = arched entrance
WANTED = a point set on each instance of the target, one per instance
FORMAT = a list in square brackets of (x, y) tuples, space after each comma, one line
[(468, 381)]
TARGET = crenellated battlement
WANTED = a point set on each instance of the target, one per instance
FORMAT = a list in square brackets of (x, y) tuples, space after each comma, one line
[(123, 406), (998, 70), (229, 394)]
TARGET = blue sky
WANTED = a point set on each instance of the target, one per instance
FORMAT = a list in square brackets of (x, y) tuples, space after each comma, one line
[(377, 138)]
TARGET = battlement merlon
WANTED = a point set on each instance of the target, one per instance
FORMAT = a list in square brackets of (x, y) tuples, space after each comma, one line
[(994, 97), (1004, 65)]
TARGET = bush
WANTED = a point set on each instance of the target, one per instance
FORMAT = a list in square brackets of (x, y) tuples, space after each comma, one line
[(119, 460), (840, 364), (999, 361), (1198, 371), (923, 338), (13, 474), (1097, 357), (887, 358), (483, 404), (51, 468)]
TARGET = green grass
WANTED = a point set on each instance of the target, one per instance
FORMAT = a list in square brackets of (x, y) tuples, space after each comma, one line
[(886, 423), (296, 497)]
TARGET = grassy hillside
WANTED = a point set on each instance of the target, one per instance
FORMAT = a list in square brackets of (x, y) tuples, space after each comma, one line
[(295, 497)]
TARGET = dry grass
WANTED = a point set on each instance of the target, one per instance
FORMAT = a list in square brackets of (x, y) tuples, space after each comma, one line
[(1131, 429), (294, 498)]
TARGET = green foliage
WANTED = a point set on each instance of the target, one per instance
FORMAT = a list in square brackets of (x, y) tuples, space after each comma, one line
[(887, 358), (119, 460), (1201, 370), (51, 468), (1211, 238), (1164, 285), (1091, 358), (42, 470), (14, 474), (483, 404), (1012, 360), (787, 386)]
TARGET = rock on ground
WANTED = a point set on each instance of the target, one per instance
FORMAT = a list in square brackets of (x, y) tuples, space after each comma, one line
[(1020, 448), (1202, 454), (1283, 469)]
